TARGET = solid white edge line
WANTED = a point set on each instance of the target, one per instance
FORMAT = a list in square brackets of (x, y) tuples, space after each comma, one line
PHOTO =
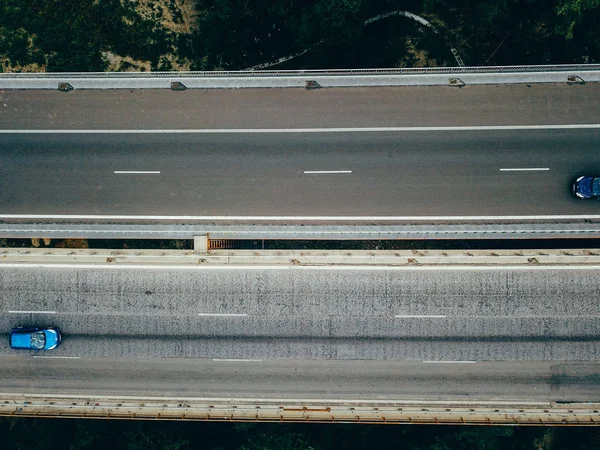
[(221, 315), (57, 357), (326, 171), (449, 362), (590, 229), (525, 169), (236, 360), (136, 171), (463, 267), (32, 312), (311, 130), (400, 316), (501, 316), (300, 218)]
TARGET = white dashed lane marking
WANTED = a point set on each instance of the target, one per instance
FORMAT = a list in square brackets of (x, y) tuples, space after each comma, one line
[(326, 171), (221, 315), (137, 171), (526, 169)]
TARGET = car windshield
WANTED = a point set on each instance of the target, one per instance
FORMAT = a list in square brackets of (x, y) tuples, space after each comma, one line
[(38, 340), (596, 186)]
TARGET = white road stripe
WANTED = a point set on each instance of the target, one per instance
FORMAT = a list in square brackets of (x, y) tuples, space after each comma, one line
[(58, 357), (137, 171), (326, 171), (464, 267), (419, 317), (526, 169), (302, 218), (449, 362), (477, 316), (221, 315), (236, 360), (32, 312), (310, 130), (90, 229)]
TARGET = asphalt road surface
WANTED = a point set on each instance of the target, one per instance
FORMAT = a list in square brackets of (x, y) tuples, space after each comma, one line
[(433, 173), (505, 334), (407, 173), (446, 314), (304, 380), (518, 104)]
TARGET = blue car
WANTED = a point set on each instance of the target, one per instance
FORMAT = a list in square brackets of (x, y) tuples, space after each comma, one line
[(34, 338), (587, 187)]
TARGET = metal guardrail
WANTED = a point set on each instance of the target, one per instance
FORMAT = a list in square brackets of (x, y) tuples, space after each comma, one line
[(320, 411), (306, 232), (288, 73)]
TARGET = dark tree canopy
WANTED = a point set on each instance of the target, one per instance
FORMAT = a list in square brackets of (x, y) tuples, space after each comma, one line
[(76, 35)]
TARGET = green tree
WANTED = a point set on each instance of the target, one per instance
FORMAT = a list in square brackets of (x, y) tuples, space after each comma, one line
[(285, 441), (152, 440), (333, 21), (578, 24), (573, 12), (71, 35)]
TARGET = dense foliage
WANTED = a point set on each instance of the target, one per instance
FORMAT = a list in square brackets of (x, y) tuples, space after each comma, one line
[(70, 35), (237, 33), (75, 35), (86, 434)]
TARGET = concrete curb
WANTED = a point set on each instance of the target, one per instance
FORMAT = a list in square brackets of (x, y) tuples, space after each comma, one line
[(405, 258), (457, 79)]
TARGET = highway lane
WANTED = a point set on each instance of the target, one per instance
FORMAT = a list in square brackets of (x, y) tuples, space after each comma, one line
[(406, 173), (462, 314), (298, 108), (289, 379)]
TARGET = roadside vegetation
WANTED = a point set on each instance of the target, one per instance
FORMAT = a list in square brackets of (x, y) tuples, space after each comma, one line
[(86, 434), (154, 35)]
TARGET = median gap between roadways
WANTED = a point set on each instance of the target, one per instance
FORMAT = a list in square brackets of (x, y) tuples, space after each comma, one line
[(291, 244)]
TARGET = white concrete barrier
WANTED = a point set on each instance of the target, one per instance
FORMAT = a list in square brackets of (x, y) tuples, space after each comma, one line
[(309, 258), (295, 81)]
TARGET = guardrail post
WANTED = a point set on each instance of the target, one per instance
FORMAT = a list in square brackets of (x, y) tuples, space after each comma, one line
[(456, 82), (65, 87), (178, 86), (201, 244), (575, 79)]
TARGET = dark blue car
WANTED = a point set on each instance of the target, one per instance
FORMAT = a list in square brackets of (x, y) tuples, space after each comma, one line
[(587, 187), (34, 338)]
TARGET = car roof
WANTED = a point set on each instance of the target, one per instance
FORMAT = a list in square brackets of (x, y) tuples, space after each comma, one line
[(21, 338)]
